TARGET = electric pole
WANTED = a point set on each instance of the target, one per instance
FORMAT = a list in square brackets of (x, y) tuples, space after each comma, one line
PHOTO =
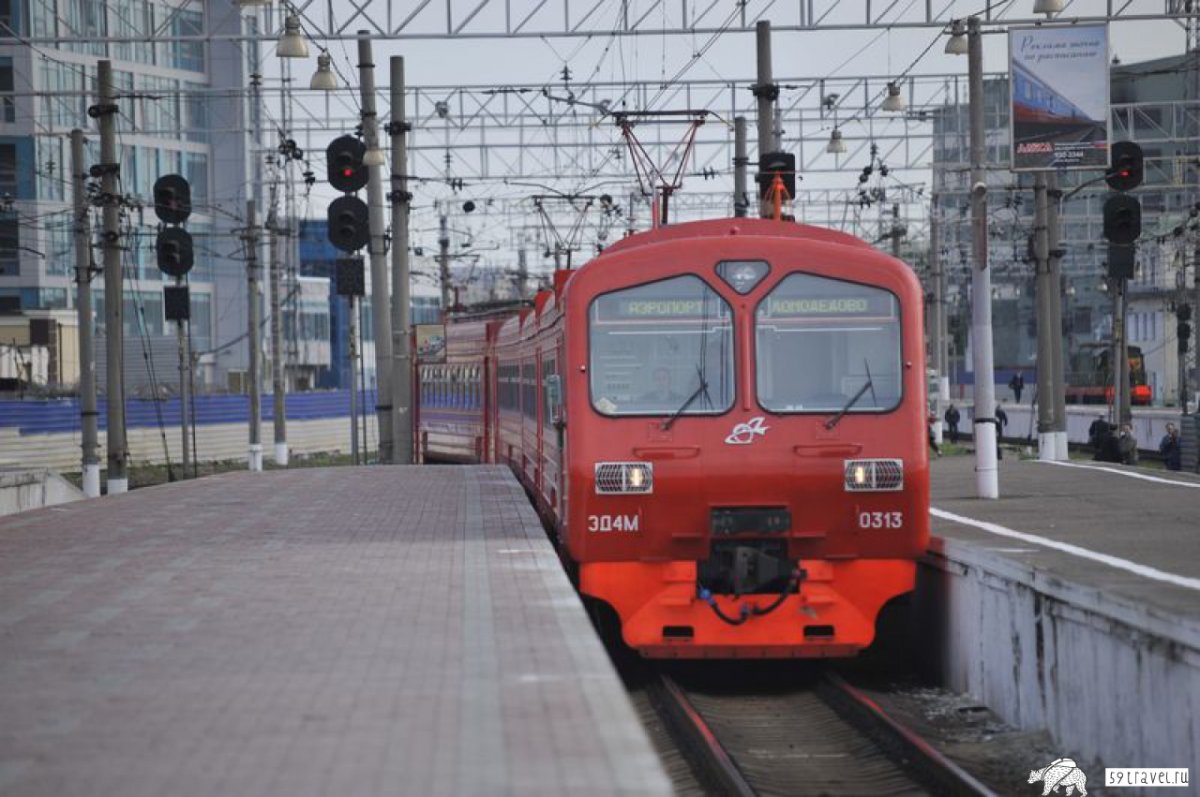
[(252, 338), (766, 93), (402, 370), (380, 310), (936, 324), (444, 263), (278, 380), (114, 293), (1054, 253), (987, 481), (741, 200), (87, 344), (1047, 442)]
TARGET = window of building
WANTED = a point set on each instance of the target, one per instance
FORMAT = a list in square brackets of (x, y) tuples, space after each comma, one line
[(8, 169), (187, 55), (8, 107), (10, 265)]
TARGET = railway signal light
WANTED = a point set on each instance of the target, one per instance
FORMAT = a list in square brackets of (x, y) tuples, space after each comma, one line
[(1122, 219), (348, 227), (174, 250), (176, 303), (344, 164), (172, 199), (349, 279), (772, 163), (1127, 171)]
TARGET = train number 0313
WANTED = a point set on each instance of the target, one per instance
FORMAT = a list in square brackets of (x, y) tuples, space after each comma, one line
[(880, 520), (604, 523)]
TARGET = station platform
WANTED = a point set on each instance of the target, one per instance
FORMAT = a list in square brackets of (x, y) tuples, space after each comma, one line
[(1122, 530), (344, 631)]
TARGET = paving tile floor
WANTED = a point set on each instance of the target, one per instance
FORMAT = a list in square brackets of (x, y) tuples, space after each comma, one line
[(343, 631)]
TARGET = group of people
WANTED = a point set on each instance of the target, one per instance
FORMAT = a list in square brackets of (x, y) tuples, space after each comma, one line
[(952, 418), (1118, 444)]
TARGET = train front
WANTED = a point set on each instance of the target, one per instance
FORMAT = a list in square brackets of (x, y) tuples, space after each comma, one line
[(746, 438)]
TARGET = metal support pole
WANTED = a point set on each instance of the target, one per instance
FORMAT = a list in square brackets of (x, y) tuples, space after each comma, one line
[(352, 352), (444, 262), (253, 343), (741, 200), (934, 324), (87, 343), (1054, 254), (278, 356), (184, 373), (402, 366), (1047, 446), (381, 318), (114, 290), (987, 481), (766, 91), (1122, 411), (896, 233)]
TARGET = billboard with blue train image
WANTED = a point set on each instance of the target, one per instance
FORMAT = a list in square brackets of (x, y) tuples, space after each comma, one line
[(1059, 91)]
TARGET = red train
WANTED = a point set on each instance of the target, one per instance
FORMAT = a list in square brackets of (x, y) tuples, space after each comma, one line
[(722, 421)]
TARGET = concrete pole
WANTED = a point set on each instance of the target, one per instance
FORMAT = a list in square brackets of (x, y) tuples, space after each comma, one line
[(352, 351), (278, 357), (1047, 445), (114, 291), (444, 262), (87, 343), (1057, 361), (741, 200), (402, 367), (380, 306), (254, 458), (522, 271), (987, 480), (401, 294), (766, 91), (181, 343), (934, 323)]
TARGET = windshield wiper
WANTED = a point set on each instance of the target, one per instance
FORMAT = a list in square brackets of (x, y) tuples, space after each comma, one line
[(699, 391), (868, 385)]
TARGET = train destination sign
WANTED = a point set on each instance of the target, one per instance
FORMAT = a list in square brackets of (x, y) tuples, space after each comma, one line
[(1059, 97), (874, 305), (660, 307)]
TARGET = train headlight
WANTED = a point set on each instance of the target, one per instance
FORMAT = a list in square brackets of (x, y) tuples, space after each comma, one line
[(624, 477), (873, 475)]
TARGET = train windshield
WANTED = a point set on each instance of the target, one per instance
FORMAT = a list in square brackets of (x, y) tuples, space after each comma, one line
[(662, 348), (820, 341)]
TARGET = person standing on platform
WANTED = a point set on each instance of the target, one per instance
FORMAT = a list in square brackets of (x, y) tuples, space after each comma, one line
[(953, 416), (1001, 421), (933, 440), (1127, 445), (1170, 448), (1098, 431), (1017, 384)]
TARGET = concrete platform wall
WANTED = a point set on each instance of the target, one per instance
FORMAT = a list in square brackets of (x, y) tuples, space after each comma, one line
[(22, 490), (1110, 680)]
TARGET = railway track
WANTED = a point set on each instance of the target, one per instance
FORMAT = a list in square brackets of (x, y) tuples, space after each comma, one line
[(819, 737)]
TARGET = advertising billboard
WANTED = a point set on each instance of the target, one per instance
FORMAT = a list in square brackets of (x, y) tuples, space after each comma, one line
[(431, 343), (1059, 94)]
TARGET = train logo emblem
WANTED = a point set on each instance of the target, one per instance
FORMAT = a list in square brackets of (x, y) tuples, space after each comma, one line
[(743, 434), (1061, 772)]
